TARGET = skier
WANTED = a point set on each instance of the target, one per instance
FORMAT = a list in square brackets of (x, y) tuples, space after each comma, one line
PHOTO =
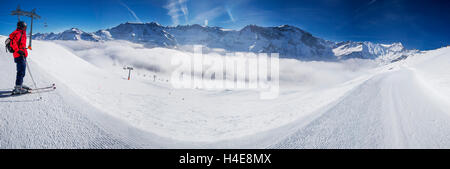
[(18, 43)]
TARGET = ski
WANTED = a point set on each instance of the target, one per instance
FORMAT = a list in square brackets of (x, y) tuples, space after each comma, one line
[(39, 88), (41, 91), (53, 87), (31, 91)]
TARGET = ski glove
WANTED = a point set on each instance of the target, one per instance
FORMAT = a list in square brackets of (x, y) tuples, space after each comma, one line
[(21, 53)]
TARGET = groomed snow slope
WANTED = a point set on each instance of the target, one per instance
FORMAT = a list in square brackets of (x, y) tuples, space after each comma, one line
[(399, 108), (321, 104), (391, 110), (60, 120)]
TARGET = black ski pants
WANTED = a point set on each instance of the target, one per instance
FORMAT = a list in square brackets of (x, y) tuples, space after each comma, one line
[(21, 64)]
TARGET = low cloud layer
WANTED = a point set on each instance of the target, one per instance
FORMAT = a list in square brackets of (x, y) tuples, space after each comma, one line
[(116, 54)]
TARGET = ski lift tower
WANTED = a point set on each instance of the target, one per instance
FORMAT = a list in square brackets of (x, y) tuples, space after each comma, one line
[(31, 14), (129, 71)]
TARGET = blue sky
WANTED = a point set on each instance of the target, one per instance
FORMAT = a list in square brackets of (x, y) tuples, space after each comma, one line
[(420, 24)]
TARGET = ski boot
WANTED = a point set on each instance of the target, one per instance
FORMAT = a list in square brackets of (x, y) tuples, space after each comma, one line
[(26, 87), (19, 90)]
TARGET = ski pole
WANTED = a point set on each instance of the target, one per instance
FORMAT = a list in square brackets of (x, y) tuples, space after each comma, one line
[(32, 79)]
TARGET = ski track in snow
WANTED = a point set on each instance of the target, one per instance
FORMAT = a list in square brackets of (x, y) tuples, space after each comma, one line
[(401, 105), (391, 110)]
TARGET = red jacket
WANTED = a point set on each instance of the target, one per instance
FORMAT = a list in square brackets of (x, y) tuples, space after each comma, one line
[(15, 36)]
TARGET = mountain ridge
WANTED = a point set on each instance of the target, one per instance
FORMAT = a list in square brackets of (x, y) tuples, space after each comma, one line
[(287, 40)]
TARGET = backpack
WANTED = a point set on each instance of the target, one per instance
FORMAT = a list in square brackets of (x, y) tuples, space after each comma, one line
[(8, 44)]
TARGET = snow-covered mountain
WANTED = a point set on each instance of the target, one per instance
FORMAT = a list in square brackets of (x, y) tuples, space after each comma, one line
[(369, 50), (151, 34), (71, 34), (288, 41)]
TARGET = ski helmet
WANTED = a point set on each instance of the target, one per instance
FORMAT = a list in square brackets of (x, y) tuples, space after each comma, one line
[(21, 25)]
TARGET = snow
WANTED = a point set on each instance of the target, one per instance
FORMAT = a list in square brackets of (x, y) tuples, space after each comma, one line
[(391, 110), (226, 30), (405, 105), (383, 53), (353, 103), (227, 115), (343, 50), (60, 120)]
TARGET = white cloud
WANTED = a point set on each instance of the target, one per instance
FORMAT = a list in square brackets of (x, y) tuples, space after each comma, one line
[(131, 11), (176, 9), (230, 15), (184, 9)]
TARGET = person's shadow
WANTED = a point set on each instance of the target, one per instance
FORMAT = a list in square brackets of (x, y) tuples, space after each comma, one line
[(8, 94)]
